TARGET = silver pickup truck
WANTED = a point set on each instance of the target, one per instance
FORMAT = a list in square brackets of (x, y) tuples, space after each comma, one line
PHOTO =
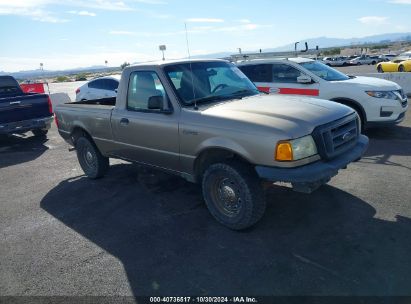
[(205, 121)]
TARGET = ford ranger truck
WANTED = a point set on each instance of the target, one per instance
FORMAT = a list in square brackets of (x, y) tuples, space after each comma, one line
[(205, 121), (22, 112)]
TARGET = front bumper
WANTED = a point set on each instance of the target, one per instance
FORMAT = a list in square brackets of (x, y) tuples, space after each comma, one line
[(26, 125), (309, 177)]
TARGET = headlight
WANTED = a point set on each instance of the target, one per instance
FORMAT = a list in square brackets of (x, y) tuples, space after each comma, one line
[(382, 94), (295, 149)]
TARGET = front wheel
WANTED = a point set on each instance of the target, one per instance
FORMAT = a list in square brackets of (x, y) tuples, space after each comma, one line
[(401, 68), (233, 194), (93, 163), (379, 69)]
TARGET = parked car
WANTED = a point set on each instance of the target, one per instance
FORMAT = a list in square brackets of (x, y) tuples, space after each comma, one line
[(401, 63), (387, 57), (336, 61), (377, 101), (364, 59), (102, 87), (22, 112), (396, 65), (205, 120)]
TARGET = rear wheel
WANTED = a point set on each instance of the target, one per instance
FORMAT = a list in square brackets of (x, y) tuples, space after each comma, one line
[(401, 68), (359, 63), (233, 194), (93, 163), (40, 132)]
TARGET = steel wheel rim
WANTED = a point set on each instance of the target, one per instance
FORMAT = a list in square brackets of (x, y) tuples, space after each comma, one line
[(88, 157), (227, 196)]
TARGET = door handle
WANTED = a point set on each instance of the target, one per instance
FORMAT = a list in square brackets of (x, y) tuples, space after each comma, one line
[(124, 121)]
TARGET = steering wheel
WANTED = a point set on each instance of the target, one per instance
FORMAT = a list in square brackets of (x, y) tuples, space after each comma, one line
[(219, 87)]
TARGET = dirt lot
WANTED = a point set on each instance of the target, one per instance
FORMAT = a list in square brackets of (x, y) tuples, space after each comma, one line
[(141, 232)]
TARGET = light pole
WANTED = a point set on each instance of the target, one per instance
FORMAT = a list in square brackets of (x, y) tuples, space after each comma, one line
[(162, 48)]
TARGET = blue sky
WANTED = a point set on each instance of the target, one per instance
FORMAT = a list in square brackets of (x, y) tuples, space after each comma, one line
[(74, 33)]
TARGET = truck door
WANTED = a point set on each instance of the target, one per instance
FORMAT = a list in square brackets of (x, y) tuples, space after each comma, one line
[(142, 134)]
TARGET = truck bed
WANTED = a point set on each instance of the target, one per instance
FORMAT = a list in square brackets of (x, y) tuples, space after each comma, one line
[(93, 115)]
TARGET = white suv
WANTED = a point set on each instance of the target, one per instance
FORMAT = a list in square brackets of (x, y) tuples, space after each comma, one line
[(376, 101)]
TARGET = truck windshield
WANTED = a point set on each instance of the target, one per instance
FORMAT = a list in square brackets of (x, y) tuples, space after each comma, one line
[(200, 82), (324, 71)]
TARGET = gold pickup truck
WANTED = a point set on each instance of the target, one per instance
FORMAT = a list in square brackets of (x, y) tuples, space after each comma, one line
[(206, 121)]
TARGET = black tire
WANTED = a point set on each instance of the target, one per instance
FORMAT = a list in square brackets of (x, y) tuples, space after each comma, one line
[(39, 132), (233, 194), (374, 63), (91, 161), (361, 121), (359, 63), (401, 68), (379, 69)]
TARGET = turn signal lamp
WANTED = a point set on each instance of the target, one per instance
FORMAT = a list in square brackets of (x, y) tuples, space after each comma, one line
[(284, 151)]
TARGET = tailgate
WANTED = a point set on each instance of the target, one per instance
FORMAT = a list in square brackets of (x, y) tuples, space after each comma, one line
[(24, 107)]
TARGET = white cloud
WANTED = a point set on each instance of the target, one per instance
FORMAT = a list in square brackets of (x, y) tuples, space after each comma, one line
[(82, 13), (400, 1), (29, 8), (244, 21), (374, 20), (100, 4), (34, 13), (151, 1), (205, 20)]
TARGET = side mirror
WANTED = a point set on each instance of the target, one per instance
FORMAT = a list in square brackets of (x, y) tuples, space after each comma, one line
[(304, 79), (156, 103)]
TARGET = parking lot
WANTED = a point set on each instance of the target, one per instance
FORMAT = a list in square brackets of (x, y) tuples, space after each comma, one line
[(140, 232)]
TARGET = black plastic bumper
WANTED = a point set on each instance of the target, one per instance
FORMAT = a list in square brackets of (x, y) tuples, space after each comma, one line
[(26, 125), (309, 177)]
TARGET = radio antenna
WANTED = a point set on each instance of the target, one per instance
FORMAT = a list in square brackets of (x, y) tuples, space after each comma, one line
[(191, 68)]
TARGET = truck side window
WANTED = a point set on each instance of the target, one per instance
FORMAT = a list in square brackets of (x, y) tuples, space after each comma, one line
[(142, 86), (285, 73), (258, 72)]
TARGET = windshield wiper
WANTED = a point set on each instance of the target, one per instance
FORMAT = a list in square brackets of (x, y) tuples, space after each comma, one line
[(236, 95), (208, 99), (243, 92)]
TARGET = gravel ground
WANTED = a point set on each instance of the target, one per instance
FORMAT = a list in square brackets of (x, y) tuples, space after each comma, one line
[(141, 232)]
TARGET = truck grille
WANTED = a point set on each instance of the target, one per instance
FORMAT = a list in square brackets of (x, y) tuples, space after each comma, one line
[(337, 137)]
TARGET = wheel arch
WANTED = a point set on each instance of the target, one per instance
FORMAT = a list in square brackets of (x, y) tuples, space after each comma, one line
[(214, 154), (352, 104), (77, 132)]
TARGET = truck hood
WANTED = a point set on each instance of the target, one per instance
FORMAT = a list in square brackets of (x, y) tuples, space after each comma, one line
[(289, 116), (369, 83)]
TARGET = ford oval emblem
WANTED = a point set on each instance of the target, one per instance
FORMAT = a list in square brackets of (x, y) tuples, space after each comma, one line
[(347, 136)]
